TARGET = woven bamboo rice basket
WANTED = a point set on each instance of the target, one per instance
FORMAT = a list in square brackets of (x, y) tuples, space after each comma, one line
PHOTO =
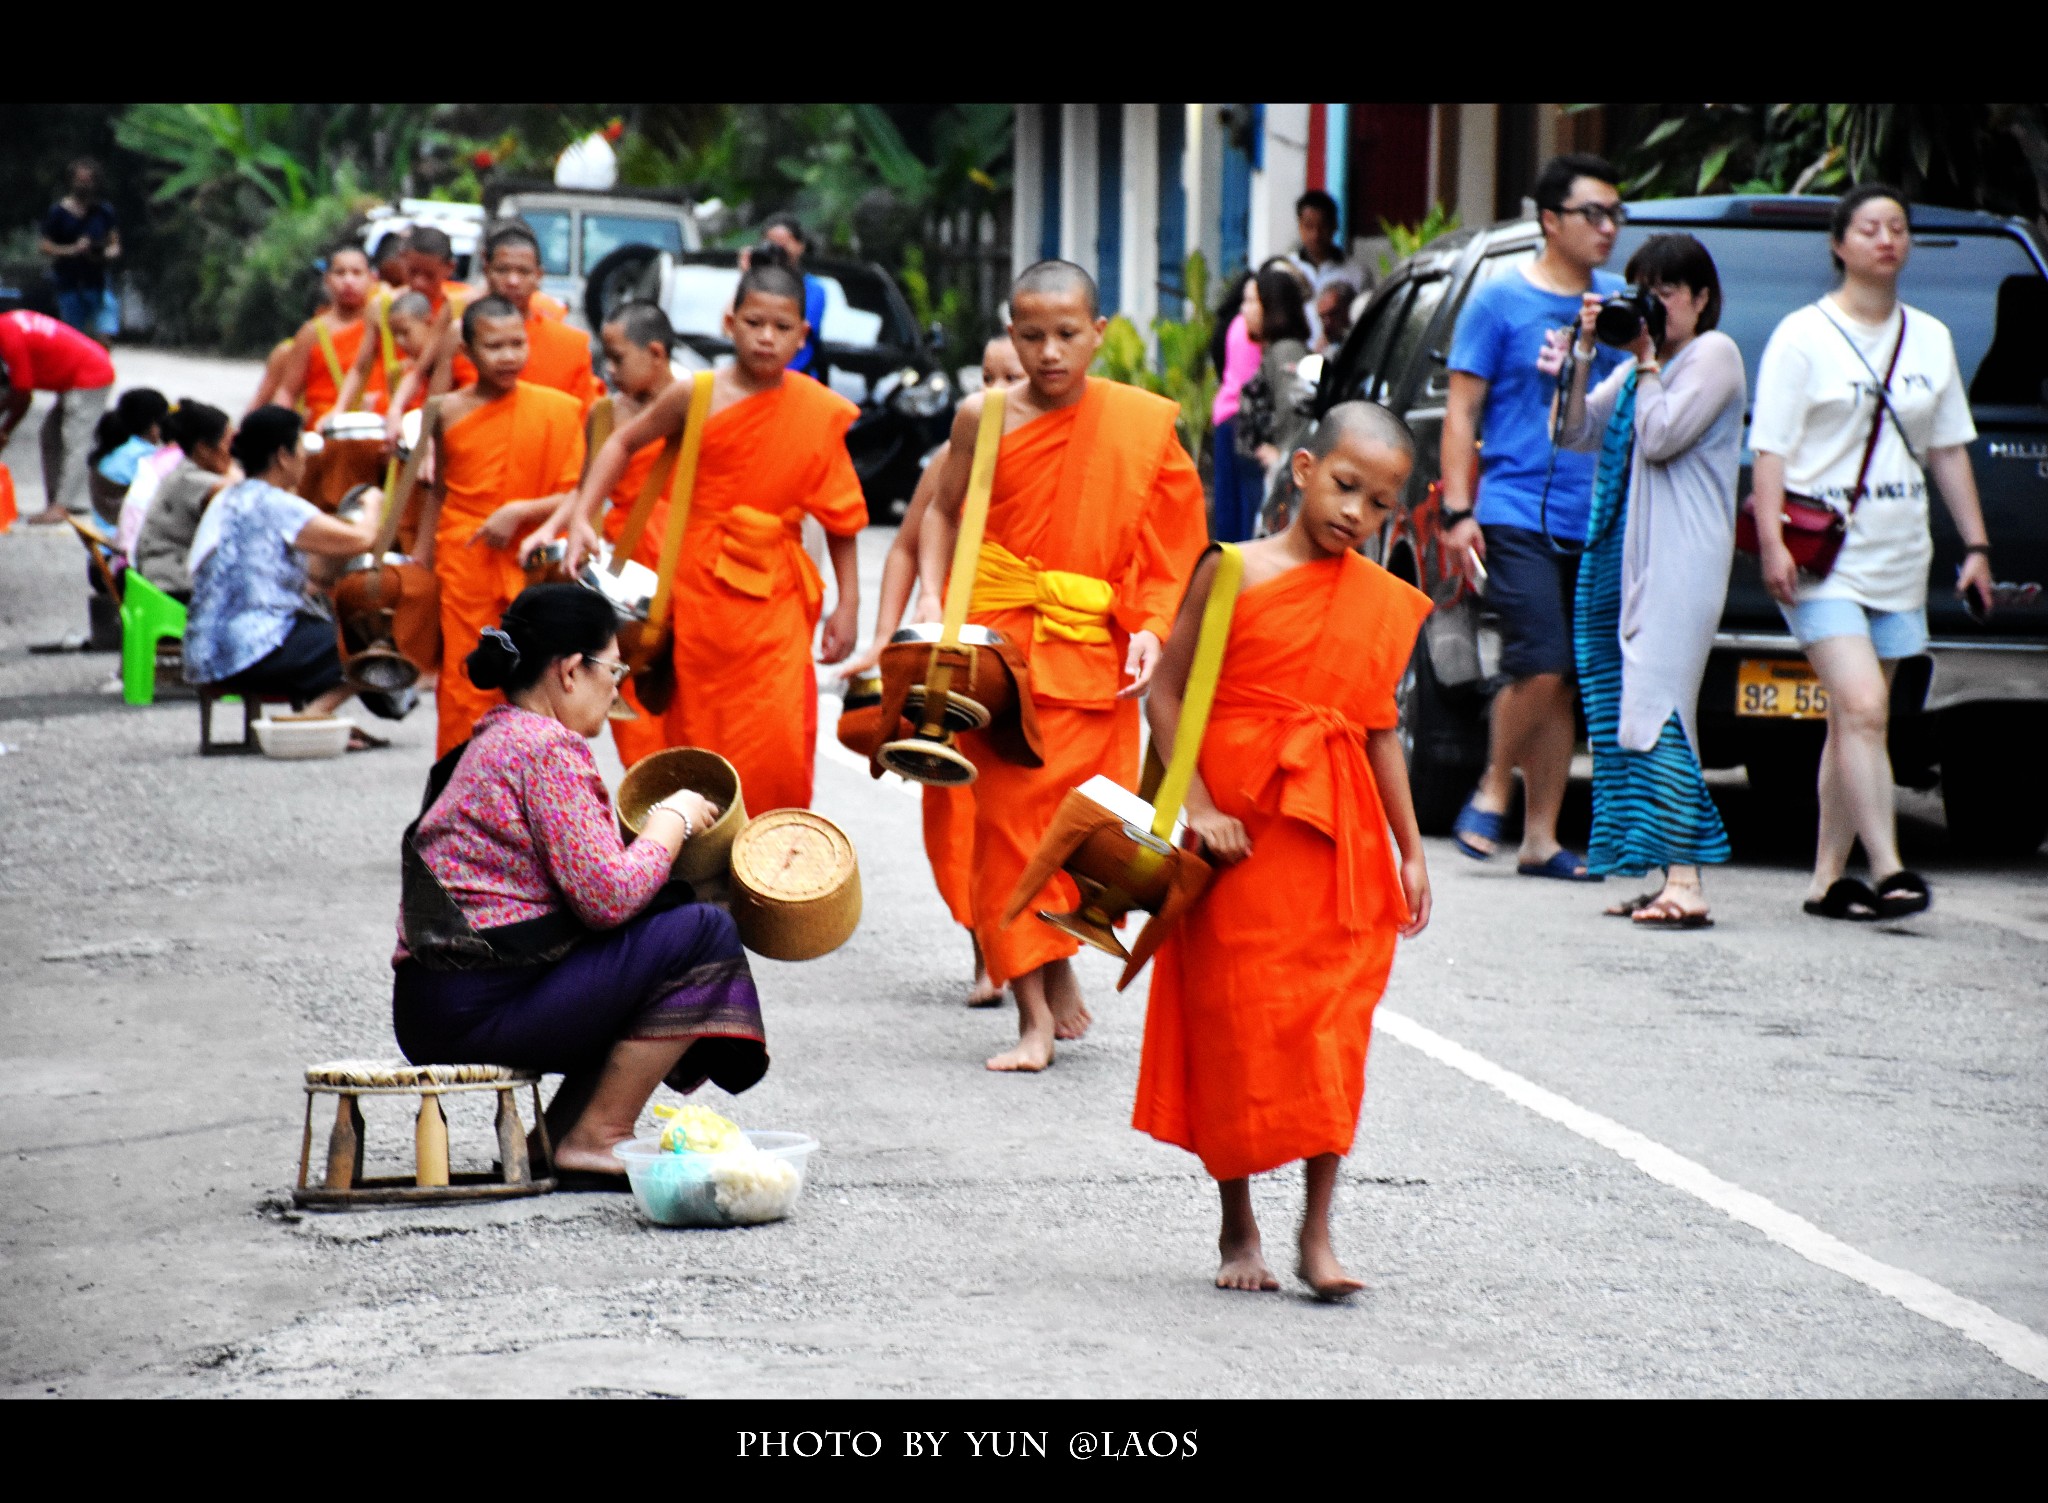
[(706, 855), (795, 885)]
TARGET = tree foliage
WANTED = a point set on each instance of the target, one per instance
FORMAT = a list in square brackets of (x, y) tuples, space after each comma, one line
[(1973, 156)]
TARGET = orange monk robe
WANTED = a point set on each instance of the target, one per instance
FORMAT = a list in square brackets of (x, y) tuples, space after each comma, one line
[(558, 356), (323, 382), (747, 596), (1104, 489), (949, 846), (523, 445), (544, 306), (1262, 997), (636, 738)]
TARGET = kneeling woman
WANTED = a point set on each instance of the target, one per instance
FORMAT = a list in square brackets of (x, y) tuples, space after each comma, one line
[(530, 936)]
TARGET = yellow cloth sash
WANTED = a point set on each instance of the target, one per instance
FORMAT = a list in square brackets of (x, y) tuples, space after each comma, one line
[(1072, 607)]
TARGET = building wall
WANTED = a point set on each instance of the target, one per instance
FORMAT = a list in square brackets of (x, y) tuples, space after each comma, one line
[(1238, 205)]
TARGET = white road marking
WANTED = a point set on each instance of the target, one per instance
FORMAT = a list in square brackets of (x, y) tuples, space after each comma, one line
[(2012, 1343)]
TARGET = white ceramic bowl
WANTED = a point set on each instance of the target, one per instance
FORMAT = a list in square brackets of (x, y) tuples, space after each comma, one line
[(300, 740)]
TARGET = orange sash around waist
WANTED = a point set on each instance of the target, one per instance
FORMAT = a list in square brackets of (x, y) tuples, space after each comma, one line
[(751, 546)]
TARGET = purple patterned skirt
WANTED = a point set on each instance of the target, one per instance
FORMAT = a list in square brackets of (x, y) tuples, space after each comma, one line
[(669, 975)]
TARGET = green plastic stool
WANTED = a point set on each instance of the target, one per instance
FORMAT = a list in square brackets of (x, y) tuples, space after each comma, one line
[(148, 616)]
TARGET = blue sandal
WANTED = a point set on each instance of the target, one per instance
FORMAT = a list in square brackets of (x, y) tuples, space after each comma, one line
[(1563, 865), (1484, 823)]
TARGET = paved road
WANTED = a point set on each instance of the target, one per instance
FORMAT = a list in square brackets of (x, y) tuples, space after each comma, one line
[(1560, 1116)]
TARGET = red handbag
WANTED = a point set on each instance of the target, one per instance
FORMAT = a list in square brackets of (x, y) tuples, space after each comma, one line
[(1813, 530)]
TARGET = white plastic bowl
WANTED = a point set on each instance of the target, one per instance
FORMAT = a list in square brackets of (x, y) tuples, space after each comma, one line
[(300, 740), (716, 1189)]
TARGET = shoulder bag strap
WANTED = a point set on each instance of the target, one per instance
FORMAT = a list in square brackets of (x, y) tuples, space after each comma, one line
[(981, 480), (1884, 405), (643, 504), (328, 353), (394, 368), (401, 494), (680, 491), (1201, 690)]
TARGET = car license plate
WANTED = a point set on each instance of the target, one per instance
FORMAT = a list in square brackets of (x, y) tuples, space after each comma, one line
[(1786, 688)]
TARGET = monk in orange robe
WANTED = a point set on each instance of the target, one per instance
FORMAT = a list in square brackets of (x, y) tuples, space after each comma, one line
[(556, 355), (638, 343), (325, 350), (948, 812), (1262, 997), (505, 452), (429, 259), (746, 597), (1094, 524)]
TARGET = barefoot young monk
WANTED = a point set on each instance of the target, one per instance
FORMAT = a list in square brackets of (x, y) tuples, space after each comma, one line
[(556, 355), (1262, 997), (504, 452), (430, 263), (746, 595), (316, 369), (638, 343), (948, 812), (1095, 521)]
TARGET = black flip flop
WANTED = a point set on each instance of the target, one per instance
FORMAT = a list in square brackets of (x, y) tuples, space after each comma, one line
[(1903, 894), (576, 1180), (1847, 899)]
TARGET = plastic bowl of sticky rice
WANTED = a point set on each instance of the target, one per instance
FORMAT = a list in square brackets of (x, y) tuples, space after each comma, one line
[(708, 1172)]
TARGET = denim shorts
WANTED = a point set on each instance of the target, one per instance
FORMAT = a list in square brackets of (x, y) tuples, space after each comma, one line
[(1894, 634), (1531, 589)]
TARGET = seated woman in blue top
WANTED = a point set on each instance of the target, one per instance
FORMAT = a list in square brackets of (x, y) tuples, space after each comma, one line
[(258, 623), (124, 437)]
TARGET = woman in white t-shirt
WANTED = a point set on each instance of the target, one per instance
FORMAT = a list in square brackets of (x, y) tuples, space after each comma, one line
[(1819, 387)]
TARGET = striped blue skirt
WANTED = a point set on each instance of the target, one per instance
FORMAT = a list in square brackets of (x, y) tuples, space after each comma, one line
[(1650, 809)]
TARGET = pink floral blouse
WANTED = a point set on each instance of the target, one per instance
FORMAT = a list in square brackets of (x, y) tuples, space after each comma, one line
[(525, 827)]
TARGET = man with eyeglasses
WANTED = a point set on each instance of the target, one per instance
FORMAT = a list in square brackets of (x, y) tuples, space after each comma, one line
[(1532, 504)]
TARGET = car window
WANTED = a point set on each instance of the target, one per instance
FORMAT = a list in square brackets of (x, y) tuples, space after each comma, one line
[(1959, 279), (1415, 321), (700, 295), (1380, 322), (605, 233), (551, 228)]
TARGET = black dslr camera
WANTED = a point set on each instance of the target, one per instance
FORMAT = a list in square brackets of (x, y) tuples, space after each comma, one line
[(1622, 315)]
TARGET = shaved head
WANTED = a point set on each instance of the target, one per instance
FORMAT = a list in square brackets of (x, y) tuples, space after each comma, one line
[(412, 305), (489, 307), (1366, 421), (642, 323), (1057, 279), (425, 240)]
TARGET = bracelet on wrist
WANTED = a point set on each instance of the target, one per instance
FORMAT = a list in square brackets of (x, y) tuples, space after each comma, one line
[(1448, 519), (1983, 548)]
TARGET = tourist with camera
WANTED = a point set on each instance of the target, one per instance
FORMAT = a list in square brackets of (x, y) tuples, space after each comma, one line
[(1531, 506), (1667, 426), (1858, 400)]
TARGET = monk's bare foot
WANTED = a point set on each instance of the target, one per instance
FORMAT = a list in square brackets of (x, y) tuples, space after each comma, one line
[(1070, 1015), (986, 993), (1244, 1267), (1320, 1270), (1032, 1054)]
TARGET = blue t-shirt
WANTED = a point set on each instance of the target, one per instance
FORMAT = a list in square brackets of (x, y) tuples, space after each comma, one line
[(119, 466), (1499, 335), (814, 315)]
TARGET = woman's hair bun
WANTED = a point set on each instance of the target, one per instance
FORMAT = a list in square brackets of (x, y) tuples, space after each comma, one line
[(495, 658)]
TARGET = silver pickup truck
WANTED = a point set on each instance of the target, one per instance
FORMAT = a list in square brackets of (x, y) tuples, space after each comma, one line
[(1970, 715)]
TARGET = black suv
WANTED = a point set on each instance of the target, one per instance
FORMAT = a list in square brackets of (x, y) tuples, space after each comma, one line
[(1973, 712)]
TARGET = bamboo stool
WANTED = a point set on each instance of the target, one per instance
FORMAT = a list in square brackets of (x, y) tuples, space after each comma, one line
[(347, 1080)]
